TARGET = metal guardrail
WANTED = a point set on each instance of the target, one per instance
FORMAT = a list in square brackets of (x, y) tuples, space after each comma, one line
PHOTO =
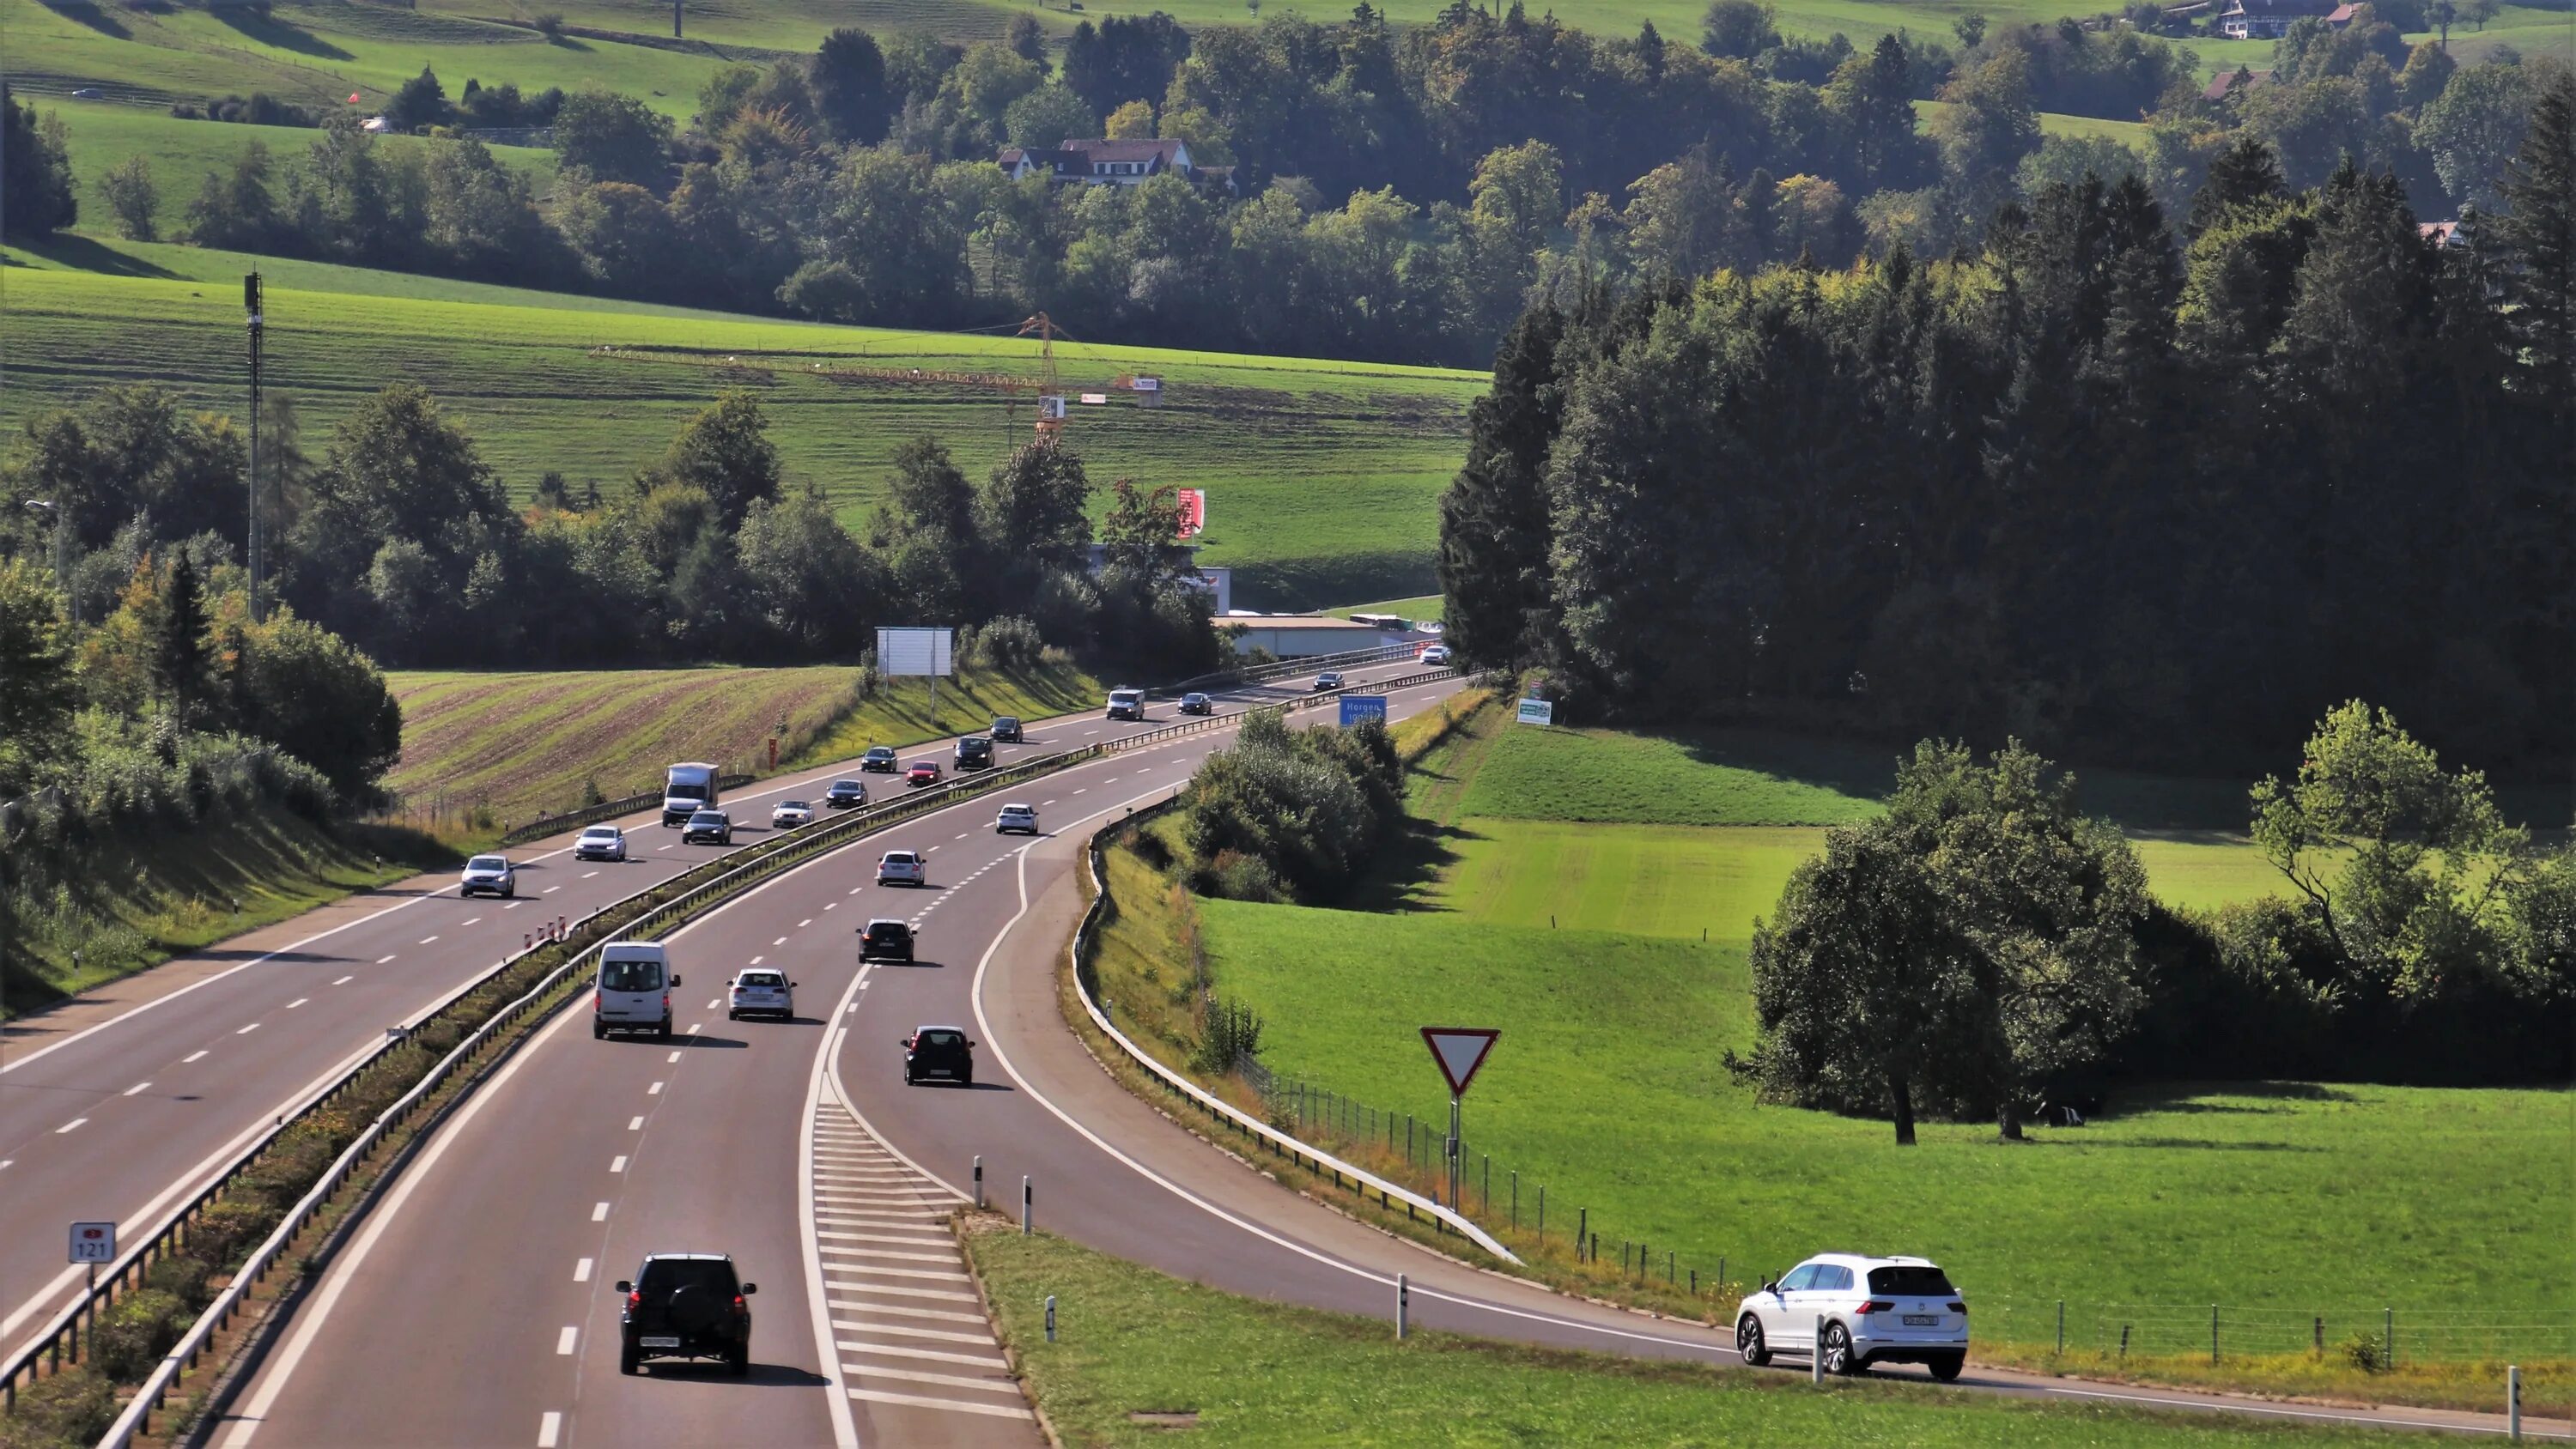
[(1085, 935), (765, 858), (545, 825), (1307, 664)]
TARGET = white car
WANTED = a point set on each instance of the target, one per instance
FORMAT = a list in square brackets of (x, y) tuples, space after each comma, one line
[(491, 873), (600, 842), (903, 867), (788, 814), (1857, 1312), (1437, 656), (1016, 817), (760, 992)]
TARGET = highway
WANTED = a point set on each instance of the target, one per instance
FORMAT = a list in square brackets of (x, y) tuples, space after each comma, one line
[(123, 1118), (473, 1302)]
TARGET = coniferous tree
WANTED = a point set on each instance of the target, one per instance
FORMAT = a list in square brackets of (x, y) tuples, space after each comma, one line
[(1494, 530), (2539, 232)]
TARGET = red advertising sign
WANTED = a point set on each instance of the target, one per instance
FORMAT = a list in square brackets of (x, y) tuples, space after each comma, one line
[(1193, 503)]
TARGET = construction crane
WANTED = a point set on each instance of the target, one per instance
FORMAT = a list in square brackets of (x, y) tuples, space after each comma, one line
[(1050, 392)]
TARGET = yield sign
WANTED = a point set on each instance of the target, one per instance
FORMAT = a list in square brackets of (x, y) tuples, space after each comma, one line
[(1459, 1050)]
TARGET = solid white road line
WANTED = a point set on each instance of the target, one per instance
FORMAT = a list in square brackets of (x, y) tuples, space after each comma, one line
[(70, 1126), (549, 1429), (310, 1320), (564, 1340), (599, 1212), (581, 1271), (192, 1056)]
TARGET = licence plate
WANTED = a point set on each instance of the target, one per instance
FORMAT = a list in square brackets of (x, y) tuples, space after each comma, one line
[(1923, 1320), (660, 1341)]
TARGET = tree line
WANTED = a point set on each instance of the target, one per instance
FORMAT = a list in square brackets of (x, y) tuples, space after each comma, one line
[(1983, 950), (400, 537), (2146, 503), (1398, 194)]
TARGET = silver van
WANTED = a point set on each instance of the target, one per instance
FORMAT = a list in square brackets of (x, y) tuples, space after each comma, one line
[(634, 992)]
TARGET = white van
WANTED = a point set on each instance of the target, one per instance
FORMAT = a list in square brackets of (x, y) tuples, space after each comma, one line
[(686, 790), (634, 992)]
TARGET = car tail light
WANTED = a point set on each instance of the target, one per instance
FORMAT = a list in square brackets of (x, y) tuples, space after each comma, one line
[(634, 1299), (1957, 1307), (594, 1002), (666, 1003), (1876, 1305), (738, 1309)]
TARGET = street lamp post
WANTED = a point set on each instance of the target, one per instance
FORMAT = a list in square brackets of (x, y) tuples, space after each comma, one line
[(62, 576)]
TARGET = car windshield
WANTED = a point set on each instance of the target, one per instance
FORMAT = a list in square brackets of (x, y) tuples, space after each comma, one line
[(707, 817), (1910, 1282), (898, 857), (844, 787), (630, 976), (943, 1038), (886, 930), (600, 832), (664, 1276), (1006, 722), (880, 752), (688, 792), (759, 978), (1125, 696), (487, 862), (791, 804)]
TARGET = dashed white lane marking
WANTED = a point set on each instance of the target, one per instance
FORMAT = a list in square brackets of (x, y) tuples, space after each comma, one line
[(299, 1001), (831, 905), (854, 890), (564, 1340), (712, 1005), (345, 980), (962, 834), (192, 1056), (661, 847), (136, 1090), (617, 1164), (655, 1090), (549, 1429), (588, 874), (426, 940), (245, 1031), (70, 1126), (581, 1271), (514, 905), (599, 1212), (383, 959), (693, 1027), (476, 921), (781, 941), (1085, 790), (1044, 803), (756, 960), (550, 890), (635, 1124)]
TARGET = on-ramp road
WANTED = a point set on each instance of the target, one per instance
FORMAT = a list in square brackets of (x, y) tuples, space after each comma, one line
[(472, 1304)]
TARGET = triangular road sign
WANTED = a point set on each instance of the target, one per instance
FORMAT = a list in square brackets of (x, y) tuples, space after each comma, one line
[(1459, 1050)]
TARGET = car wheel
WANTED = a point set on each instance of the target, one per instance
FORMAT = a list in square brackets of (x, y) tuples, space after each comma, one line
[(663, 1033), (627, 1362), (1748, 1342), (510, 894), (907, 1076), (732, 1015), (966, 1078), (739, 1361), (598, 1029), (1946, 1367), (1839, 1358)]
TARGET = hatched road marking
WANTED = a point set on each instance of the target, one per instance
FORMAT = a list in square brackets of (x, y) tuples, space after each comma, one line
[(882, 1249)]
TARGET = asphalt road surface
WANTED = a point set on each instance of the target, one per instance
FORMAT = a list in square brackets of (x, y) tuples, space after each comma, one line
[(473, 1303), (125, 1118)]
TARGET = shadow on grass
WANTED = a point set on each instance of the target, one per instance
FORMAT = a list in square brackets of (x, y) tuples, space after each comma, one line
[(2185, 1144), (2187, 1097), (87, 255), (1406, 865), (81, 12), (271, 31)]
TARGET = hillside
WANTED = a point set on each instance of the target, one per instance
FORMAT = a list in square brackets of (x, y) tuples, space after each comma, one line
[(1321, 475)]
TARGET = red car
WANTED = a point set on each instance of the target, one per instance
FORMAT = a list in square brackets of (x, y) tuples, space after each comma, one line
[(923, 772)]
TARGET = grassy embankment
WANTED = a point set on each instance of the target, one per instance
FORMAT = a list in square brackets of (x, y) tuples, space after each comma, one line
[(516, 743), (1322, 475), (1140, 1356), (2280, 1201), (139, 900)]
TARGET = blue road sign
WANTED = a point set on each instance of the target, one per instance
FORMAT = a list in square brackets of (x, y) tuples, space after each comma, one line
[(1357, 707)]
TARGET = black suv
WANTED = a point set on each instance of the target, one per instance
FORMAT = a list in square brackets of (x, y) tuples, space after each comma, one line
[(846, 793), (938, 1051), (1005, 729), (974, 752), (685, 1305), (884, 940)]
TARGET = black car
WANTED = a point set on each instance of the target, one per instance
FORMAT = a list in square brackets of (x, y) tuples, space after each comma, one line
[(884, 940), (685, 1305), (1006, 730), (879, 760), (846, 794), (938, 1051), (974, 752)]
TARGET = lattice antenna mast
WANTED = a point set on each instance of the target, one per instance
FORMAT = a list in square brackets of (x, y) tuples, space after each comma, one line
[(1050, 392)]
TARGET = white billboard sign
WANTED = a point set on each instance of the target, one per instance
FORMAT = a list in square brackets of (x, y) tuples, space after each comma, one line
[(902, 653), (1538, 712)]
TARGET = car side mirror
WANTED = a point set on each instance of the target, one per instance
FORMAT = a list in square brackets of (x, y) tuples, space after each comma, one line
[(1771, 1287), (791, 985), (749, 1289), (675, 978), (903, 1041), (625, 1285)]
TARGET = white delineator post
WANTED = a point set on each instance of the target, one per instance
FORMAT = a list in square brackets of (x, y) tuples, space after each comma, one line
[(1816, 1355), (1403, 1301), (1025, 1199)]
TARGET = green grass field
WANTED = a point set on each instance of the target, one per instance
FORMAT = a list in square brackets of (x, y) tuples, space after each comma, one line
[(1322, 475), (1142, 1358), (520, 742), (102, 134)]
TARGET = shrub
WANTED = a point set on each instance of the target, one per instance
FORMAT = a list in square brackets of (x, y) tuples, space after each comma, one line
[(183, 1278), (1232, 1037), (2366, 1352), (549, 24), (69, 1408), (224, 1233), (1151, 849), (1236, 876), (134, 1334)]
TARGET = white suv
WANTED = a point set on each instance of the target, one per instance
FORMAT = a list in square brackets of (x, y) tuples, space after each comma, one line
[(1866, 1310), (903, 867)]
